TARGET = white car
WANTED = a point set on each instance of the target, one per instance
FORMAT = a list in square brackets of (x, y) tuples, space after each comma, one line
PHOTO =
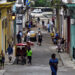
[(36, 13)]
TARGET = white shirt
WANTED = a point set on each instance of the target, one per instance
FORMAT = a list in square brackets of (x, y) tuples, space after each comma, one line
[(51, 22), (28, 34)]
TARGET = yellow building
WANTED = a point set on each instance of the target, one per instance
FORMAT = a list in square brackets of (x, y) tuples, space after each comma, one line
[(5, 25)]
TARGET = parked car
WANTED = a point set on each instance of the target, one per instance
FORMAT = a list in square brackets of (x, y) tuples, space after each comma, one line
[(36, 13), (32, 36)]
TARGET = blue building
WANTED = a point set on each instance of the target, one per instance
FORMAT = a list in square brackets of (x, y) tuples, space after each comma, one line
[(71, 8)]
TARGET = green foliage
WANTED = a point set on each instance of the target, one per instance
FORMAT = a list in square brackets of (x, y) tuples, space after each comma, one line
[(42, 3), (55, 3)]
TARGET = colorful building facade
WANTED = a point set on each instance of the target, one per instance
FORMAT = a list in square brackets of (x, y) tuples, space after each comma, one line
[(5, 25), (71, 28)]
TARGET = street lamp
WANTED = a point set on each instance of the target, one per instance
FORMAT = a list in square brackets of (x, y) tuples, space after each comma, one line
[(14, 21), (13, 16)]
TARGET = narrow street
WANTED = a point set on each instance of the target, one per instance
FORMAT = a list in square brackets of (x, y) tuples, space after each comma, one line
[(21, 20), (40, 60)]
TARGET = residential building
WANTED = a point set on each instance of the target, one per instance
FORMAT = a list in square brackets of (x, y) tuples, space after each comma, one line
[(5, 23), (71, 27)]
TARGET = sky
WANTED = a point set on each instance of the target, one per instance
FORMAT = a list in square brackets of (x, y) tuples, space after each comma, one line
[(64, 0)]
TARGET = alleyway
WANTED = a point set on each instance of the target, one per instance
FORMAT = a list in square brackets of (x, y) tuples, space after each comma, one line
[(20, 21), (40, 60)]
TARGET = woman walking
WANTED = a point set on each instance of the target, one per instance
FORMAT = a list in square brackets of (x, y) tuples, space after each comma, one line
[(39, 38)]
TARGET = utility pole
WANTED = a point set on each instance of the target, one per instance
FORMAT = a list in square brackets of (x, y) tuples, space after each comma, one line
[(27, 13), (57, 5), (58, 20)]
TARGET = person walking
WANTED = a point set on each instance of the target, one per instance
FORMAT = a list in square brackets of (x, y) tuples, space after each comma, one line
[(2, 60), (43, 24), (53, 62), (19, 37), (29, 25), (48, 27), (39, 38), (28, 36), (62, 44), (10, 52), (29, 55), (38, 19), (52, 25), (59, 45), (25, 38)]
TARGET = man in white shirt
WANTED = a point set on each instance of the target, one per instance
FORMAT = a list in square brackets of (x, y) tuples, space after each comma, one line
[(28, 36), (51, 23)]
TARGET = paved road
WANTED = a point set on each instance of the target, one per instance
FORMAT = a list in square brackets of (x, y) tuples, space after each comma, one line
[(40, 60), (41, 55)]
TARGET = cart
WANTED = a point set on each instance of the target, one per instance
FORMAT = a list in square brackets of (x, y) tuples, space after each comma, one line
[(21, 52)]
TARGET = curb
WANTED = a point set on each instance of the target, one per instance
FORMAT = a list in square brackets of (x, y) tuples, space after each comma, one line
[(61, 59)]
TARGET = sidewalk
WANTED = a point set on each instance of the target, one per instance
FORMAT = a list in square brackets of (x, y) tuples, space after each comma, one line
[(7, 61), (66, 60), (13, 57), (2, 72)]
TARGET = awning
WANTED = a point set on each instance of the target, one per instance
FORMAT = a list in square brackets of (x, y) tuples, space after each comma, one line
[(7, 4), (71, 5)]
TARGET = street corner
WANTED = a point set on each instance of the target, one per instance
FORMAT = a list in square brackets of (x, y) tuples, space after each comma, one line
[(2, 72)]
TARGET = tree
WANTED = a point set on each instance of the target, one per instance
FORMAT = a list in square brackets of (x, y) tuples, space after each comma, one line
[(56, 5), (42, 3)]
